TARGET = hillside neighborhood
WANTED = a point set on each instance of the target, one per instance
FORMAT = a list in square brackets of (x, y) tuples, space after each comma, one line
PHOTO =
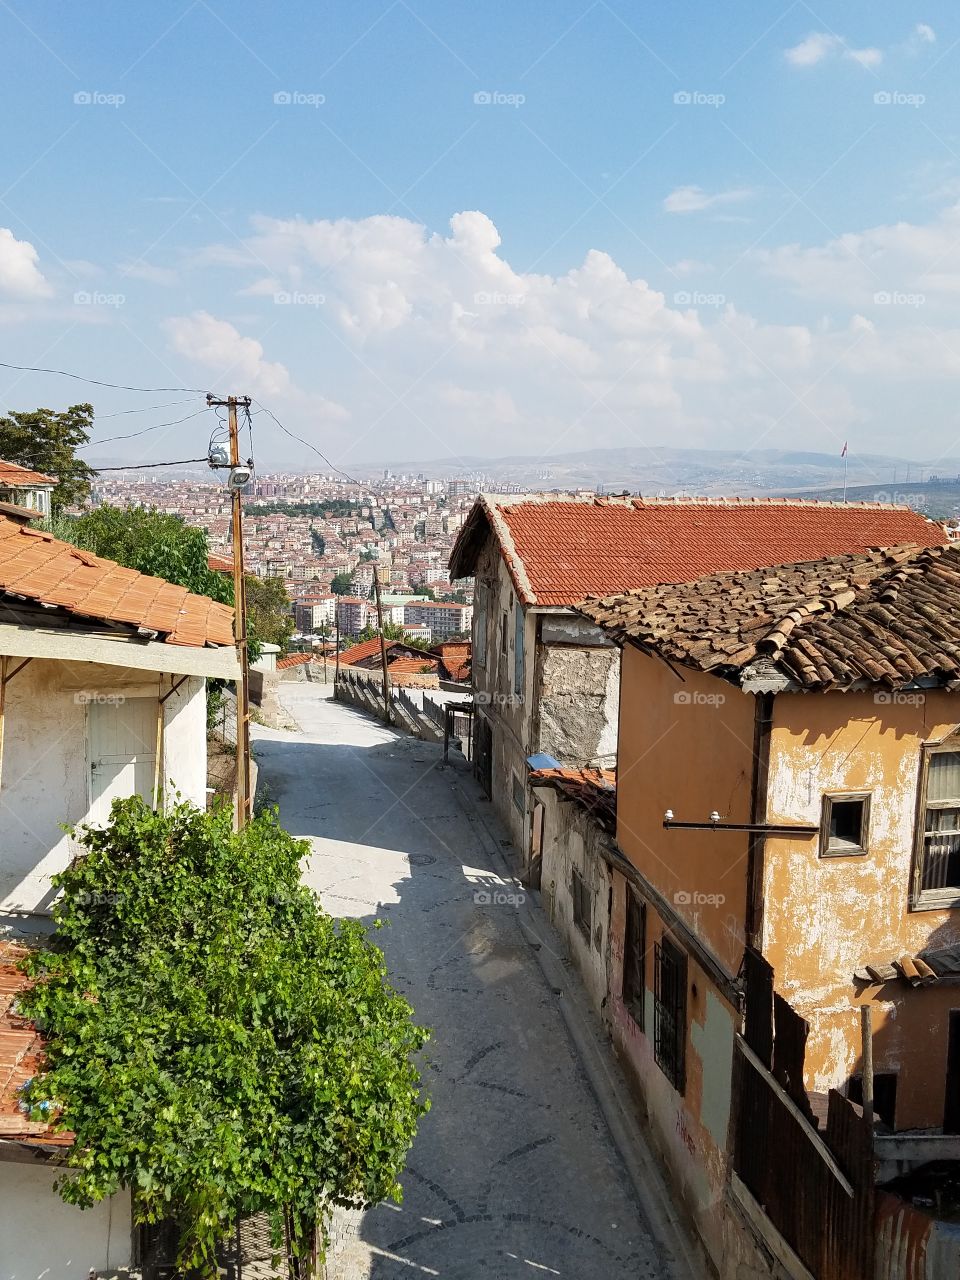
[(479, 641), (719, 738)]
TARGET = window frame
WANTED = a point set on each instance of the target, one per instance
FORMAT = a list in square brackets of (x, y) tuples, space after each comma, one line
[(634, 1001), (580, 892), (936, 899), (826, 810), (670, 1050)]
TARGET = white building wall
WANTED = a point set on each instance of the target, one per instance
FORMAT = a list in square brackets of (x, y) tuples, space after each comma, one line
[(41, 1238), (46, 770)]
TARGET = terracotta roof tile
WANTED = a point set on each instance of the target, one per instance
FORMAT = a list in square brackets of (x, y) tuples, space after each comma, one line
[(880, 617), (21, 1049), (560, 549), (293, 660), (52, 572), (593, 789), (14, 475)]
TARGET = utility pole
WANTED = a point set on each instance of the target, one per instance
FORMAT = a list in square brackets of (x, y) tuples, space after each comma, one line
[(238, 478), (383, 644)]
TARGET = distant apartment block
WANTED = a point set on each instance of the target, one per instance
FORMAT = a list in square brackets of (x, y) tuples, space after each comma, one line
[(442, 619)]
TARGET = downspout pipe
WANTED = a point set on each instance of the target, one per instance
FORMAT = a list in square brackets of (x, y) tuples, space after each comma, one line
[(762, 726)]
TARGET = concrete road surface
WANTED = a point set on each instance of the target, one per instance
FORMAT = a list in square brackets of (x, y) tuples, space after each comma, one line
[(513, 1173)]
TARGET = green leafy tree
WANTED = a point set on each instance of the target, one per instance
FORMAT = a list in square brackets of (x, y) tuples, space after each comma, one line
[(160, 544), (216, 1042), (341, 584), (317, 542), (268, 611), (47, 441), (152, 542)]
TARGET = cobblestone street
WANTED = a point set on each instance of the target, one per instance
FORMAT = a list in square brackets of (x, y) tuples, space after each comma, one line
[(513, 1172)]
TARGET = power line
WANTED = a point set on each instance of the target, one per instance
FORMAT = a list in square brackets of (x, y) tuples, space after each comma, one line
[(91, 444), (139, 466), (95, 382), (308, 445), (144, 408)]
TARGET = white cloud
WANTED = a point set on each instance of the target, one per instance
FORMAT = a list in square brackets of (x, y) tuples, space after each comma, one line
[(218, 346), (692, 199), (20, 276), (821, 45), (868, 58), (438, 343), (813, 49), (902, 257), (921, 35)]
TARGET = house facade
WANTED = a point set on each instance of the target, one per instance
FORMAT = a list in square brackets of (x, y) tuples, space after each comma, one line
[(22, 487), (102, 695), (787, 803), (545, 678)]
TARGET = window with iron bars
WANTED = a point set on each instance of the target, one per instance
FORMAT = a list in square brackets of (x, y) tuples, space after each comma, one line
[(670, 1011)]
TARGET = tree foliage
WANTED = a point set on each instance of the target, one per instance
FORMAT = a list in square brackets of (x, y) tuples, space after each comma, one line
[(268, 611), (217, 1042), (153, 542), (342, 584), (47, 441)]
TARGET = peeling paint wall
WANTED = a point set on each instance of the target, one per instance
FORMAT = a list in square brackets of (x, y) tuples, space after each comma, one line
[(568, 705), (690, 1129), (824, 917), (46, 767), (571, 840)]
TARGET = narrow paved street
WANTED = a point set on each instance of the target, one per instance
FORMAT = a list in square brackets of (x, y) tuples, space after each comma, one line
[(513, 1172)]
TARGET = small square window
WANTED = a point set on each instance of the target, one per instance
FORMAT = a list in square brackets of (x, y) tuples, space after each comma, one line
[(582, 904), (845, 825)]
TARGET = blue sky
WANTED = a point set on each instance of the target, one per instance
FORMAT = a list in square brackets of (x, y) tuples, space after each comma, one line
[(424, 229)]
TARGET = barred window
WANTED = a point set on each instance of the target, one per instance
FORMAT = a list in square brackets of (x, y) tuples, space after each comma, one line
[(634, 958), (670, 1011)]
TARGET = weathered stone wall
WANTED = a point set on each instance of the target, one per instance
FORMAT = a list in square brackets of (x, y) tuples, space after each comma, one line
[(579, 703)]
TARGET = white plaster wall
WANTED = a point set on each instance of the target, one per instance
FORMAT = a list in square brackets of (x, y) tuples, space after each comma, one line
[(41, 1238), (45, 777)]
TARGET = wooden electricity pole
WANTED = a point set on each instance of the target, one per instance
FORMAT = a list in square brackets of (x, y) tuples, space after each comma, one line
[(244, 799), (383, 644)]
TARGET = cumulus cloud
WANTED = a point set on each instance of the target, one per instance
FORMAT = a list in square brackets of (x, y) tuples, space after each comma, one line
[(901, 257), (694, 199), (821, 45), (218, 346), (438, 342), (20, 276)]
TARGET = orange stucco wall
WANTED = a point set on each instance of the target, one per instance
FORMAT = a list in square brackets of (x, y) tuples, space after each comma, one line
[(826, 917), (687, 745)]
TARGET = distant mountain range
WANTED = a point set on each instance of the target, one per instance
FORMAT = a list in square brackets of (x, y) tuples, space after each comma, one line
[(660, 470)]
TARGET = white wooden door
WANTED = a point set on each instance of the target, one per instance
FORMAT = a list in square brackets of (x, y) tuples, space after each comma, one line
[(123, 752)]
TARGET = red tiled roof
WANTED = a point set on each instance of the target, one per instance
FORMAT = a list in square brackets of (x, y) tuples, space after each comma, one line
[(561, 549), (40, 567), (219, 564), (14, 475), (593, 789), (455, 659), (21, 1049), (293, 660), (888, 618), (365, 649), (413, 666)]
